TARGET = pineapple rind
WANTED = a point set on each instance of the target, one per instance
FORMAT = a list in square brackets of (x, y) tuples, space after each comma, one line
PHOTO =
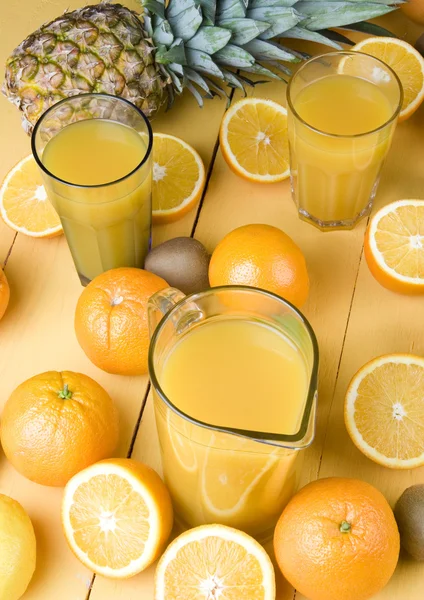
[(172, 45)]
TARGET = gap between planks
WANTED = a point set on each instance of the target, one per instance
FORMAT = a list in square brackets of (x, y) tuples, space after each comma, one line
[(9, 252)]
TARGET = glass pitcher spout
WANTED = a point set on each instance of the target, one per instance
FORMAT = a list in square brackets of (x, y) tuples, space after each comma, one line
[(171, 315)]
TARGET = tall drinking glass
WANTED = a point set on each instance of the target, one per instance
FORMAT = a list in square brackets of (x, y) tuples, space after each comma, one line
[(231, 417), (342, 113), (94, 152)]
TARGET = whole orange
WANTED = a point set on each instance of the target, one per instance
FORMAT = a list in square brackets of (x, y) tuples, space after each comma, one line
[(4, 293), (337, 539), (57, 423), (111, 319), (261, 256), (414, 9)]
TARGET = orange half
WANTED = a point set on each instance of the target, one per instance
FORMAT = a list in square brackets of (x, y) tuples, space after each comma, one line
[(117, 517), (406, 62), (178, 178), (214, 561), (394, 246), (24, 205), (384, 410), (254, 141)]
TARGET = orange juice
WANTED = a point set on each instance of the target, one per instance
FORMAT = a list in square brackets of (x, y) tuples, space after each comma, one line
[(242, 374), (106, 226), (336, 152)]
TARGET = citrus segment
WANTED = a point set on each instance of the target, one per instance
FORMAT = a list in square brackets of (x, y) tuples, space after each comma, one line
[(117, 515), (384, 410), (24, 205), (214, 561), (407, 63), (178, 177), (394, 246), (253, 138)]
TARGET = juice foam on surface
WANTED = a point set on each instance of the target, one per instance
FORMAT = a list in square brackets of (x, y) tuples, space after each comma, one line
[(343, 105), (239, 374), (94, 152)]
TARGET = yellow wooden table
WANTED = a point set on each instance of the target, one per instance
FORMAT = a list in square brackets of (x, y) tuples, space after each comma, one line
[(354, 318)]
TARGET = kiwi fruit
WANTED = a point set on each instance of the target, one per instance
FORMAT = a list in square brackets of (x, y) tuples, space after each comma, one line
[(409, 514), (183, 262)]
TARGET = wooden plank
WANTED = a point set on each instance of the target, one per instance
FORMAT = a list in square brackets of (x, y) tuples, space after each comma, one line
[(46, 289), (333, 262), (37, 332), (37, 335), (230, 202), (382, 322)]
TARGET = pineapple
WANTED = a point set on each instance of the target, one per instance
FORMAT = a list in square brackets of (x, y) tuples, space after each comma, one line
[(206, 46)]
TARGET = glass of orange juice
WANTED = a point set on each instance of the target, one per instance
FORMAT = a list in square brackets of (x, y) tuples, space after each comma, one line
[(234, 376), (342, 113), (94, 152)]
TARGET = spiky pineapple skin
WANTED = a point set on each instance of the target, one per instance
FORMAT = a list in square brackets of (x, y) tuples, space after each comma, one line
[(102, 48), (206, 46)]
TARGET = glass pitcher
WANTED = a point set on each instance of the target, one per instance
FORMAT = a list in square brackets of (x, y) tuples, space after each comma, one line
[(218, 474)]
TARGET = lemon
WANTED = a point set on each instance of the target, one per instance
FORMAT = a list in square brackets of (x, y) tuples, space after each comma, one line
[(17, 549)]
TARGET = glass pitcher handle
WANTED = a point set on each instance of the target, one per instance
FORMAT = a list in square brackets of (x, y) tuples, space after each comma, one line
[(160, 304)]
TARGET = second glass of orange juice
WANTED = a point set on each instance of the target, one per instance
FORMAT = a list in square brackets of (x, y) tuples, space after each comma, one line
[(342, 112), (234, 373)]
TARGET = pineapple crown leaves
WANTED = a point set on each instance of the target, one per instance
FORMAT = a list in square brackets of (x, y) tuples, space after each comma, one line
[(202, 43)]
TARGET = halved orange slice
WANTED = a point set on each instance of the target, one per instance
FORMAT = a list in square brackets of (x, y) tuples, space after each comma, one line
[(394, 246), (178, 178), (117, 517), (24, 205), (214, 561), (384, 410), (406, 62), (254, 142)]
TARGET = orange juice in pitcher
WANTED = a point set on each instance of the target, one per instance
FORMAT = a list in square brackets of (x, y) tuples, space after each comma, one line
[(234, 397)]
